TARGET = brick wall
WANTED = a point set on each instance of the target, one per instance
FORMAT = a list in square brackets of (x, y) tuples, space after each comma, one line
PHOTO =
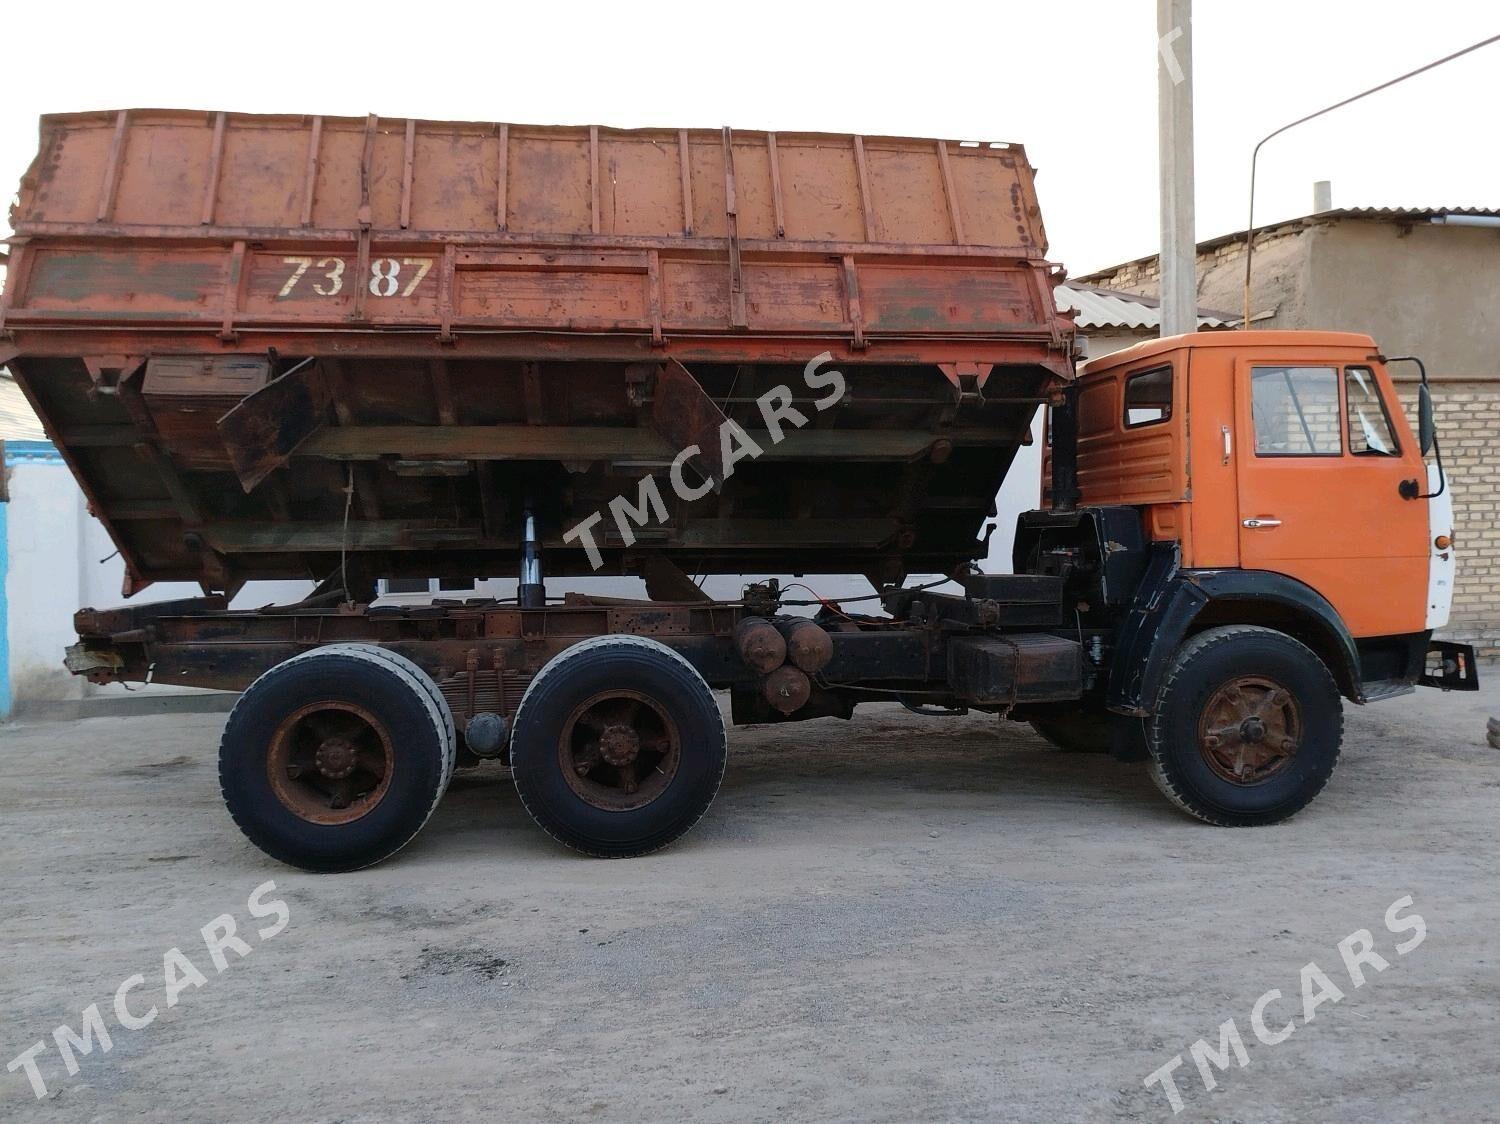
[(1468, 418), (1221, 273)]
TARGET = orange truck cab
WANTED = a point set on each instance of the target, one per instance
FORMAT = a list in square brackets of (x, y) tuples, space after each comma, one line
[(1284, 527)]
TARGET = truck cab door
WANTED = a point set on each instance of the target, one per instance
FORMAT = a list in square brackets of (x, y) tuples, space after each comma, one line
[(1322, 456)]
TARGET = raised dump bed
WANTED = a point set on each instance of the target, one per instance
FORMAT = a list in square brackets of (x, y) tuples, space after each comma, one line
[(264, 343)]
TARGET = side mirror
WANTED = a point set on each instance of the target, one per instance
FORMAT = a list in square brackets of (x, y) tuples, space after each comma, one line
[(1426, 427)]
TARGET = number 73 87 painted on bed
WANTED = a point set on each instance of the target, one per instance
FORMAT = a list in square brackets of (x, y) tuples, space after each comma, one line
[(328, 279)]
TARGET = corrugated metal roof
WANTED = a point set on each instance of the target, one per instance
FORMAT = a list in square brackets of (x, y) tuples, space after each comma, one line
[(1379, 214), (1100, 309), (1404, 212), (17, 421)]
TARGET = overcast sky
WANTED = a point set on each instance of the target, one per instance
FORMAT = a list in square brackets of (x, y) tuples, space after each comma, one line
[(1075, 82)]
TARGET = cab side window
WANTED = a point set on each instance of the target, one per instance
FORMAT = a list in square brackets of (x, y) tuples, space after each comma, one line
[(1148, 397), (1296, 411), (1370, 433)]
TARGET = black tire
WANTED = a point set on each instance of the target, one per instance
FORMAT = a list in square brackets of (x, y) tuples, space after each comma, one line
[(403, 722), (1273, 782), (584, 681), (1091, 731), (423, 682)]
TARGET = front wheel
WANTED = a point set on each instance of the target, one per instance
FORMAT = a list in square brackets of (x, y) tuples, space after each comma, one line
[(1247, 727), (618, 746)]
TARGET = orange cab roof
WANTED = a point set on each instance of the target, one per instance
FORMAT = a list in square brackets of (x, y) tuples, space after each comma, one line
[(1277, 338)]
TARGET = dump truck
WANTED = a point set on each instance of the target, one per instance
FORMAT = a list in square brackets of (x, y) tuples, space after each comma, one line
[(351, 350)]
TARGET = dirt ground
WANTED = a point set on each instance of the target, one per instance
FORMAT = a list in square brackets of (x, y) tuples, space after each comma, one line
[(897, 918)]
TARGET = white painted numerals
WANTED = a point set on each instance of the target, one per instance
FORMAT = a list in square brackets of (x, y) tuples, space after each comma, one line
[(383, 275), (386, 276), (333, 280)]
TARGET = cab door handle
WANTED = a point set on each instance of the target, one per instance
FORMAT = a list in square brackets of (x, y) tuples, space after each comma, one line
[(1262, 521)]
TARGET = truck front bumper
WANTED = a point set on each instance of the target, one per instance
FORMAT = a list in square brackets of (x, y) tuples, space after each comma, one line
[(1450, 666)]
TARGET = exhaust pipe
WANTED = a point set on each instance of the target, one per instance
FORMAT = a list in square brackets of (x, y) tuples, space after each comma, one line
[(1063, 426)]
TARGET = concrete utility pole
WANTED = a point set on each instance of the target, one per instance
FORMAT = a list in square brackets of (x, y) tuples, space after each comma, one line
[(1174, 84)]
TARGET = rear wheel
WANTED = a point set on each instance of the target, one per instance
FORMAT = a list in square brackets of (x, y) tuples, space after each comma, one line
[(1247, 727), (334, 759), (618, 747)]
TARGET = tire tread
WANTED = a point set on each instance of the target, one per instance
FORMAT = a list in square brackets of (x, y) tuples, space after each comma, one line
[(560, 662), (1195, 646), (406, 672)]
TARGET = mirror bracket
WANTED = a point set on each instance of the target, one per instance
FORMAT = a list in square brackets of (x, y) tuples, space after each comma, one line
[(1426, 428)]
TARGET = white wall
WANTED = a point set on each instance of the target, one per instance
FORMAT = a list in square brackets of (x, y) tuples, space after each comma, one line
[(44, 579), (1021, 491), (60, 559)]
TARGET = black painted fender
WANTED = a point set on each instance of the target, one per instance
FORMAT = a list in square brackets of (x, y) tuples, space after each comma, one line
[(1170, 599)]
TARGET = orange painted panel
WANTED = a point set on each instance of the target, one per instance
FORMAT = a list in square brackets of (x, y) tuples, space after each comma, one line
[(68, 177), (903, 183), (162, 167), (1128, 465), (126, 282), (821, 183), (274, 157), (336, 186), (1337, 523), (628, 174), (162, 173), (1213, 516), (559, 160), (944, 299), (755, 203), (455, 179), (582, 290), (987, 203), (942, 238), (695, 294), (706, 182), (790, 294)]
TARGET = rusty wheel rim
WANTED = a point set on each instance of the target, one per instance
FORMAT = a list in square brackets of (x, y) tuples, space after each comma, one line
[(1249, 730), (619, 750), (330, 762)]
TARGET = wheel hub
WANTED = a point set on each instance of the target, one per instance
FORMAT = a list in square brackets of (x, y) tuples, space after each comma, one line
[(619, 750), (330, 762), (1249, 730), (619, 744), (335, 758)]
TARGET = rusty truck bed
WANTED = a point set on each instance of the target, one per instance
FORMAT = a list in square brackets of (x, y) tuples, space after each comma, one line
[(227, 320)]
